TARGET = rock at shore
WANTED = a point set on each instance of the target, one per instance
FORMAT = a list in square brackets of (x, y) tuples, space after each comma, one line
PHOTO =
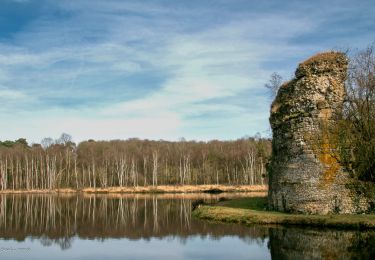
[(305, 173)]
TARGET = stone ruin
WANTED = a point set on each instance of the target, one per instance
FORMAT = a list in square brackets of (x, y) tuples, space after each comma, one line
[(305, 175)]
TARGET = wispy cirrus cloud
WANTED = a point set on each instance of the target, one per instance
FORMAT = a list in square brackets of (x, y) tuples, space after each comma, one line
[(158, 69)]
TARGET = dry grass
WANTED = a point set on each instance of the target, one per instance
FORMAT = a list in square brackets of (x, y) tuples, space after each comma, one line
[(323, 56), (251, 211), (153, 189), (188, 196), (38, 191), (191, 196)]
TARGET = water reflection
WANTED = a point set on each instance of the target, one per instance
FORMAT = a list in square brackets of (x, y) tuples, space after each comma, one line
[(129, 225), (303, 243), (57, 219)]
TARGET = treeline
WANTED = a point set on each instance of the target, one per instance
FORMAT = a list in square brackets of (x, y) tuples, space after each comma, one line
[(92, 164)]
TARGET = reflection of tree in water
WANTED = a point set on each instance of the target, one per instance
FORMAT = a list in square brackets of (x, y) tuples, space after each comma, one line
[(63, 242), (54, 219), (57, 219), (299, 243)]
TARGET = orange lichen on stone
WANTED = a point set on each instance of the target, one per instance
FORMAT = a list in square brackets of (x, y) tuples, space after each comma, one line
[(329, 160), (324, 151), (325, 113)]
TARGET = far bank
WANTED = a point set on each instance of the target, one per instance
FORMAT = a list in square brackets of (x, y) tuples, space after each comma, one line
[(152, 189)]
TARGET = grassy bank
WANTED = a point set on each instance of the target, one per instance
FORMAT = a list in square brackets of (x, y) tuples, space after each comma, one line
[(253, 211), (153, 189)]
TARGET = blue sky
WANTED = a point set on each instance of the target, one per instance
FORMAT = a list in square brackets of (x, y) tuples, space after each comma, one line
[(160, 69)]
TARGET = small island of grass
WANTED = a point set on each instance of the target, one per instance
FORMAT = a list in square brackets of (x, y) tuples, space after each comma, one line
[(250, 211)]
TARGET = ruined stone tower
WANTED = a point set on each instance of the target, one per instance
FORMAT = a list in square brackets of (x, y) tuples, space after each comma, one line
[(305, 175)]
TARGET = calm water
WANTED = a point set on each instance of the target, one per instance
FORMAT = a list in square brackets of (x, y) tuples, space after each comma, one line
[(154, 227)]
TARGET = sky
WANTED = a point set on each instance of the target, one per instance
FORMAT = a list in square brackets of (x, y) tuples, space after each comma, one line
[(160, 69)]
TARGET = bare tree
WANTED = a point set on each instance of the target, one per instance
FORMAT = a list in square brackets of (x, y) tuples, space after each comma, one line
[(47, 142), (274, 84), (64, 139), (356, 131)]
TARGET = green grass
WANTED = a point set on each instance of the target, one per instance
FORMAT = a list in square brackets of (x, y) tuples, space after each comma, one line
[(251, 211), (254, 203)]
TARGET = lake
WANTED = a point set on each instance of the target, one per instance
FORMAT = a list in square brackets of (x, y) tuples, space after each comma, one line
[(145, 226)]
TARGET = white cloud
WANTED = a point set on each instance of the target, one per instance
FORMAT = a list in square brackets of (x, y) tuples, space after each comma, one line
[(214, 64), (9, 94), (206, 66)]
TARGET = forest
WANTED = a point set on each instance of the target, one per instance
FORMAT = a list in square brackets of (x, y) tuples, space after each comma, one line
[(60, 163)]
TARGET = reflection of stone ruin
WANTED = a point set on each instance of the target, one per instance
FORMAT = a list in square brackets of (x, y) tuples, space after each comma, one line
[(302, 243), (305, 175)]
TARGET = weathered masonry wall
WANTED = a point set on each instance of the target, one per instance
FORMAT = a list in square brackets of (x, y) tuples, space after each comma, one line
[(305, 175)]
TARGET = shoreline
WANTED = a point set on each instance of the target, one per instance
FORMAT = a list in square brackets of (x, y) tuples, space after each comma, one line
[(251, 211), (150, 189)]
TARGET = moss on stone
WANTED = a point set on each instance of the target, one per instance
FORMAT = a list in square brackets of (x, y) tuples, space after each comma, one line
[(363, 189)]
